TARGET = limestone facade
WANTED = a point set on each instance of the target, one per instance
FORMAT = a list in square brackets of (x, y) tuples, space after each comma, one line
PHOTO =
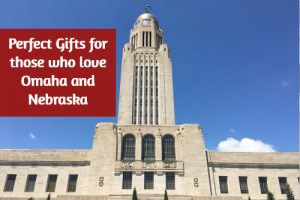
[(100, 170)]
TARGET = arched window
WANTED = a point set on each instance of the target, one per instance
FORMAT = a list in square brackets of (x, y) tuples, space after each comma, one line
[(168, 147), (148, 147), (128, 147)]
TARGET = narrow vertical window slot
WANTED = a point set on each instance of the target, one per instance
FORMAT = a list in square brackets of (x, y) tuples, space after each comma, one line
[(156, 96), (146, 38), (150, 37), (152, 96), (146, 95), (143, 41), (141, 95)]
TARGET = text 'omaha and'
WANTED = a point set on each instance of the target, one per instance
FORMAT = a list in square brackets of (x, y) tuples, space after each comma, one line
[(53, 81)]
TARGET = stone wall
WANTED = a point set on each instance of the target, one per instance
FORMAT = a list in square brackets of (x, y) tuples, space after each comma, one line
[(197, 171), (253, 166)]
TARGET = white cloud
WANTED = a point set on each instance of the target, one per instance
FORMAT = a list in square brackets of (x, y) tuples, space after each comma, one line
[(245, 145), (232, 130), (32, 136), (284, 83)]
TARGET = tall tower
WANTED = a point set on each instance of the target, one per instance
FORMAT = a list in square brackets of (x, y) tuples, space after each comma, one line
[(146, 91)]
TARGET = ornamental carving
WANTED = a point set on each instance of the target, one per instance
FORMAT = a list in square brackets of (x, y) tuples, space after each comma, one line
[(127, 164), (148, 165), (158, 134), (169, 165), (116, 130), (101, 181), (139, 133), (179, 133), (119, 131), (196, 183)]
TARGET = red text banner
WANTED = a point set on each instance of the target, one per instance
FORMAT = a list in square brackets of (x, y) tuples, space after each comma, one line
[(58, 72)]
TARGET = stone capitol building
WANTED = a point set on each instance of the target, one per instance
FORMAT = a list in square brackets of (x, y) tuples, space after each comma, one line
[(146, 149)]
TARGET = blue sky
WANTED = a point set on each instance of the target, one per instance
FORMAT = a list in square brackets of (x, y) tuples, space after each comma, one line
[(235, 66)]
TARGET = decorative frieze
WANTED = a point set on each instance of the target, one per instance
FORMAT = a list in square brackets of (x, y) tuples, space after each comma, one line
[(172, 166), (127, 164)]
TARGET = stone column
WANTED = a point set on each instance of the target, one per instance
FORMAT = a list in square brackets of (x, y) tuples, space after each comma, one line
[(158, 146), (119, 142), (138, 145)]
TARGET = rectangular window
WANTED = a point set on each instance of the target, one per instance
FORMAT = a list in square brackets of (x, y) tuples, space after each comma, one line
[(148, 180), (51, 183), (170, 180), (263, 185), (143, 38), (223, 184), (30, 183), (10, 182), (283, 184), (150, 38), (72, 182), (127, 180), (156, 95), (243, 184), (146, 37), (134, 119)]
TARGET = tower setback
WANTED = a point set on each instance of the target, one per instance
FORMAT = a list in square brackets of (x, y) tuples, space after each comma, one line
[(146, 91)]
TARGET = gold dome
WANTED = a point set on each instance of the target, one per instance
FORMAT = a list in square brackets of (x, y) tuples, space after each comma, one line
[(146, 19)]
